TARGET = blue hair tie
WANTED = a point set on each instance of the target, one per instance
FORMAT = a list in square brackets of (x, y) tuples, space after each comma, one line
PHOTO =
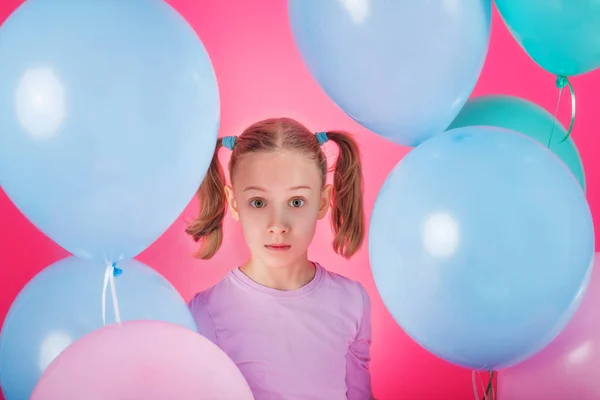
[(116, 271), (228, 141), (321, 137)]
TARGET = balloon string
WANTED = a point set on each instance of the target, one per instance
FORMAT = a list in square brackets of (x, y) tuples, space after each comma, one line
[(490, 386), (109, 278), (485, 390), (485, 397), (488, 392), (561, 82), (474, 381)]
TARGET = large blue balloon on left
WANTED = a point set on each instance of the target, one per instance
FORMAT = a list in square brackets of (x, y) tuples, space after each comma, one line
[(64, 302), (109, 113)]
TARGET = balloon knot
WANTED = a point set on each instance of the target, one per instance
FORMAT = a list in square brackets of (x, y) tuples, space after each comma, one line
[(116, 271), (561, 81)]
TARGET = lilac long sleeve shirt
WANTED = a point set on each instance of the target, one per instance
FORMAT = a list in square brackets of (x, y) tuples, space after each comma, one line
[(307, 344)]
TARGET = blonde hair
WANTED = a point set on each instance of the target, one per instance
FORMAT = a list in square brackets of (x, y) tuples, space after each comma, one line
[(347, 213)]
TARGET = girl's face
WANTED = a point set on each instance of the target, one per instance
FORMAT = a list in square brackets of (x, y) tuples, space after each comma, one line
[(278, 198)]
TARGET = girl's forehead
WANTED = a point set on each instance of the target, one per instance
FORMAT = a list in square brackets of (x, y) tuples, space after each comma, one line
[(280, 168)]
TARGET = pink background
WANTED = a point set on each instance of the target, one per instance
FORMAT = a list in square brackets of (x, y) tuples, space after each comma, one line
[(261, 75)]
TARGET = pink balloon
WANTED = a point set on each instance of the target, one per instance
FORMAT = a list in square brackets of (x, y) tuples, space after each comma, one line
[(568, 367), (147, 360)]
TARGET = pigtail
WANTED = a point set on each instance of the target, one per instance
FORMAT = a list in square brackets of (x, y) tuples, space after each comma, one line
[(208, 226), (347, 213)]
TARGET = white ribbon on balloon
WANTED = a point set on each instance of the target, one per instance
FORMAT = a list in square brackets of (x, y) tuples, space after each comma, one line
[(109, 278)]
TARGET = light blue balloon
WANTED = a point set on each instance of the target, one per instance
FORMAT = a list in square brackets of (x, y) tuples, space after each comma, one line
[(559, 35), (109, 112), (401, 68), (481, 243), (64, 302)]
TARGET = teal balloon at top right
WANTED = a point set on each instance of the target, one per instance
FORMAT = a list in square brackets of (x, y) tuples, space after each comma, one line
[(562, 36), (527, 118)]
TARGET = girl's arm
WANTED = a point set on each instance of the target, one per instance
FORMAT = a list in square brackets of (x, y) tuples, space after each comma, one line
[(202, 317), (358, 376)]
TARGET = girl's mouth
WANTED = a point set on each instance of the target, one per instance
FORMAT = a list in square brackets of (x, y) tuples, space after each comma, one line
[(278, 247)]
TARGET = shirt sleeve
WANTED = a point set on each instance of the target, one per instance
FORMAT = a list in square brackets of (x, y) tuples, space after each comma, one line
[(358, 376), (202, 317)]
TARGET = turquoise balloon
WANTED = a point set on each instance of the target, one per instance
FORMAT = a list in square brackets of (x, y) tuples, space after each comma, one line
[(525, 117), (562, 36)]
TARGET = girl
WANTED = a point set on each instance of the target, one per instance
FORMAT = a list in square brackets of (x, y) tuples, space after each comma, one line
[(295, 330)]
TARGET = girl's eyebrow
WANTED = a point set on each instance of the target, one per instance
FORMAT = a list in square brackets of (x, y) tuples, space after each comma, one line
[(254, 188), (264, 190), (300, 187)]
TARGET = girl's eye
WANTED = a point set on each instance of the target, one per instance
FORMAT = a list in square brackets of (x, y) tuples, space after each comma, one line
[(297, 203), (257, 203)]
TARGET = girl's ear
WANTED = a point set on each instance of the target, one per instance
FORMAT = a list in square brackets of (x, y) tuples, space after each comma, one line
[(232, 203), (325, 201)]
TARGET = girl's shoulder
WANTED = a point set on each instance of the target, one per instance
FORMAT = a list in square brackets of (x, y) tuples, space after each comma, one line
[(216, 292), (345, 287)]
